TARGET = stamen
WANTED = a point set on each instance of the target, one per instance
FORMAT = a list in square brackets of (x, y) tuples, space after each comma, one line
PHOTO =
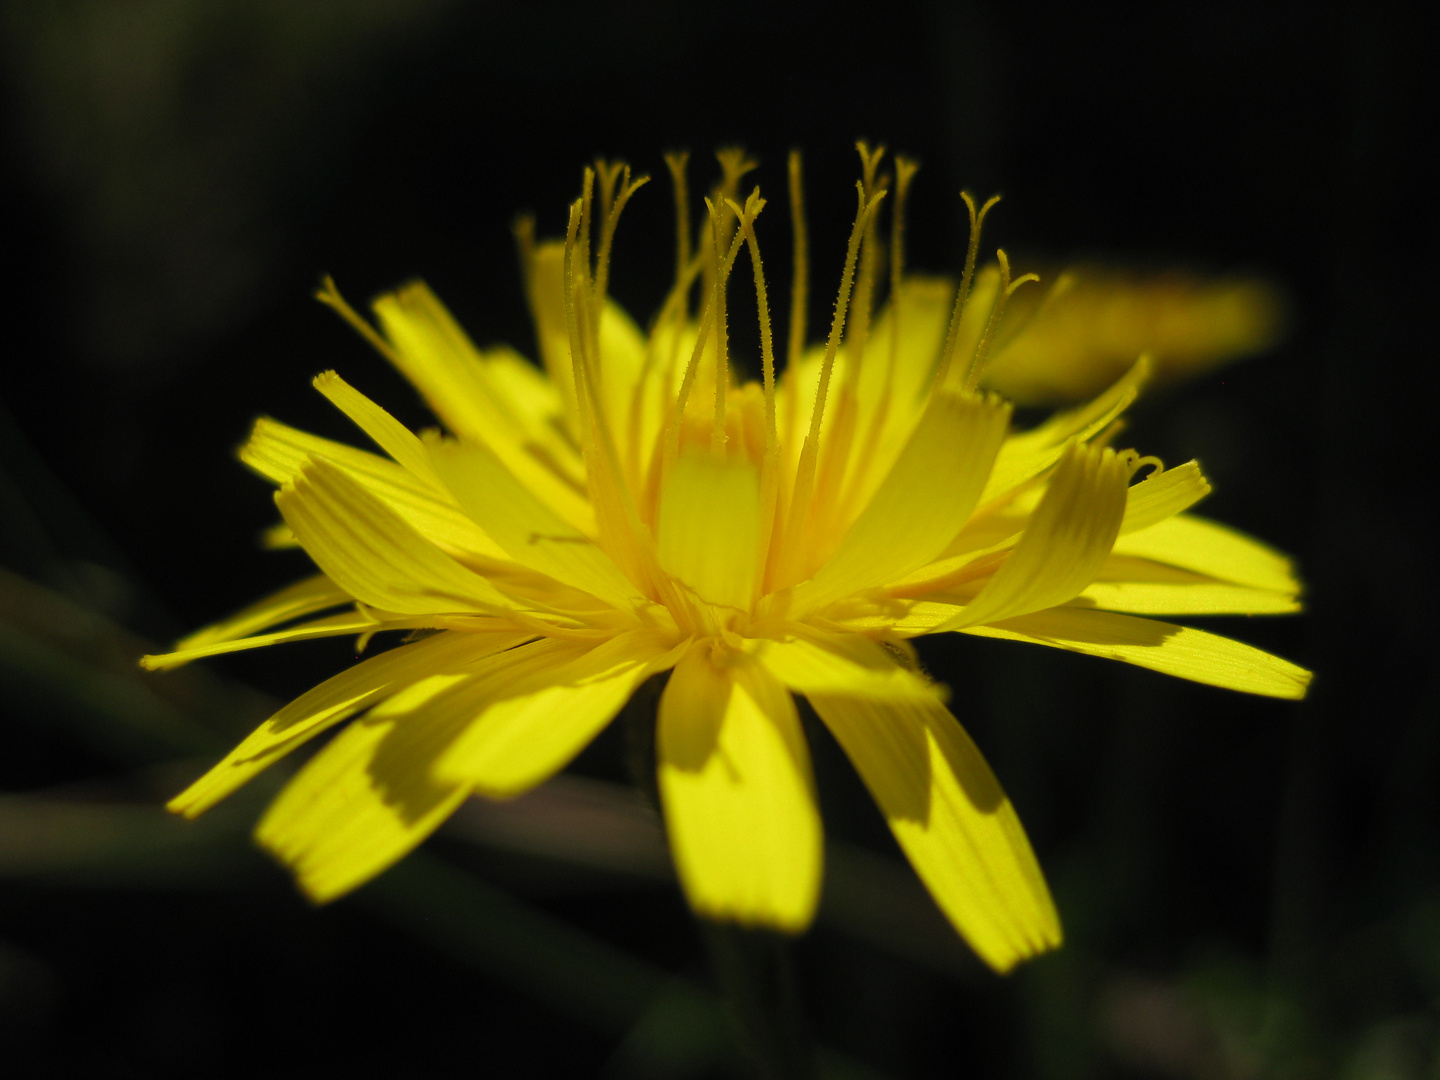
[(870, 253), (722, 359), (977, 223), (618, 522), (330, 296), (574, 270), (1134, 463), (787, 566), (982, 351), (905, 170), (733, 167), (607, 238), (587, 217), (842, 304), (800, 278), (753, 205), (676, 418), (677, 163), (607, 173)]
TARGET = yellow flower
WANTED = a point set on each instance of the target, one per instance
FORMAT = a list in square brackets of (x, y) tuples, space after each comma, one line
[(635, 510)]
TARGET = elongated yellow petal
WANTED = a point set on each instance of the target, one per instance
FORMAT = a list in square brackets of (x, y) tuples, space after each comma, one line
[(894, 381), (953, 821), (389, 434), (303, 598), (1064, 546), (438, 357), (337, 698), (709, 527), (922, 504), (1207, 547), (622, 345), (738, 794), (1142, 587), (529, 723), (349, 622), (530, 531), (279, 453), (1159, 497), (814, 662), (372, 553), (1032, 452), (1163, 647), (360, 804)]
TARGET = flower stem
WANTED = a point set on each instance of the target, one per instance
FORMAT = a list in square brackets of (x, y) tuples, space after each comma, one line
[(756, 975)]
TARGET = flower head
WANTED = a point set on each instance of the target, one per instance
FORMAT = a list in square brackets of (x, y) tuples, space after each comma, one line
[(637, 509)]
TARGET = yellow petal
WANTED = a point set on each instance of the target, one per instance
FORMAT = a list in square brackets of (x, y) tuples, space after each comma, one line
[(360, 804), (953, 821), (436, 355), (1143, 587), (1065, 544), (530, 721), (531, 532), (1171, 650), (279, 452), (303, 598), (1032, 452), (738, 794), (709, 527), (1206, 547), (895, 376), (348, 622), (1162, 496), (813, 662), (622, 345), (334, 700), (1089, 332), (930, 492), (370, 552), (389, 434)]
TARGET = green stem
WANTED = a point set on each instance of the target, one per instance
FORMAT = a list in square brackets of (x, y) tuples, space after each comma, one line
[(756, 975)]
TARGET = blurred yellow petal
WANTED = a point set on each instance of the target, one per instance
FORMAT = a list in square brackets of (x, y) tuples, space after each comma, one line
[(530, 720), (337, 698), (1163, 647), (952, 820), (1067, 345), (708, 533), (1218, 551), (738, 794)]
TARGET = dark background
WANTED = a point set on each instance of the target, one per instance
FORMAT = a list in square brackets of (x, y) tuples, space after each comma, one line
[(1250, 888)]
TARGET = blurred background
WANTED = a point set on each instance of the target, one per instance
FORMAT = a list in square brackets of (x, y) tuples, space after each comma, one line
[(1250, 888)]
